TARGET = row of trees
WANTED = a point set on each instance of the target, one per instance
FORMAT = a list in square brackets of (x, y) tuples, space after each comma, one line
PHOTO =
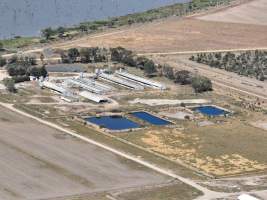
[(20, 69), (25, 66), (184, 77), (85, 55), (249, 63), (127, 57), (119, 54)]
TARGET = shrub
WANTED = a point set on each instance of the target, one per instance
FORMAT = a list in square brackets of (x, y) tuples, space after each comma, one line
[(201, 84), (10, 84), (73, 54), (150, 67), (2, 61), (19, 79), (183, 77), (38, 71), (167, 71)]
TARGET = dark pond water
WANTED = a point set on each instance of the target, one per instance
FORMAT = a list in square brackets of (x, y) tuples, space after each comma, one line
[(28, 17), (211, 111), (151, 118), (113, 122)]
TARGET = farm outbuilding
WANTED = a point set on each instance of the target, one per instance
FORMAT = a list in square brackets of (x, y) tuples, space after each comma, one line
[(54, 87), (246, 197), (119, 81), (84, 85), (93, 97), (140, 80)]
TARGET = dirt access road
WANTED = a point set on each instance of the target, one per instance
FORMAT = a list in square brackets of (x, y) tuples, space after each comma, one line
[(39, 162), (221, 78), (50, 163)]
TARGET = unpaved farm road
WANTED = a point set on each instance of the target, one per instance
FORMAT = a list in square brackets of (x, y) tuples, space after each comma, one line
[(208, 194), (220, 78)]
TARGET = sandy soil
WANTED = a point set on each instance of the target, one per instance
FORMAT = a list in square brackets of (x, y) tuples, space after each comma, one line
[(39, 162), (254, 12), (3, 74), (160, 102), (180, 35), (260, 124)]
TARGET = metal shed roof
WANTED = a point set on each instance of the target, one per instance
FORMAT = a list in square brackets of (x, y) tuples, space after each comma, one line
[(141, 80), (246, 197), (53, 86), (93, 97)]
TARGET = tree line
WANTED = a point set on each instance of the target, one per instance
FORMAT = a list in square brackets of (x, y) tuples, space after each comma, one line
[(20, 69), (249, 63)]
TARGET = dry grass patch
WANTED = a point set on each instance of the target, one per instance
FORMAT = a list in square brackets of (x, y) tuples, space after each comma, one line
[(219, 150)]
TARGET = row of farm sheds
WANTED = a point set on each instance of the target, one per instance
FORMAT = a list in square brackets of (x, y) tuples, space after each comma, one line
[(95, 90)]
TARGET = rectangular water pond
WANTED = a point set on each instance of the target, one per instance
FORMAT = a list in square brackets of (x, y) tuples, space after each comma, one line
[(113, 122), (150, 118), (211, 111)]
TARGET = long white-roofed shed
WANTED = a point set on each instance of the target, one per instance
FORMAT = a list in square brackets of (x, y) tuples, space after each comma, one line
[(54, 87), (140, 80), (93, 97), (247, 197)]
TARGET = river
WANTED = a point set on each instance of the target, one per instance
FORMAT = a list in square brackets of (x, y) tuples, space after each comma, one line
[(28, 17)]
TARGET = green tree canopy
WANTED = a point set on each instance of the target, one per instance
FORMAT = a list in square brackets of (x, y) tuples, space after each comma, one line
[(73, 54), (150, 67), (183, 77), (47, 33), (2, 61), (201, 84)]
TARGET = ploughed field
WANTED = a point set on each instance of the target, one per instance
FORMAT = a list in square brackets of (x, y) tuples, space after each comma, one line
[(174, 35), (252, 12), (38, 162)]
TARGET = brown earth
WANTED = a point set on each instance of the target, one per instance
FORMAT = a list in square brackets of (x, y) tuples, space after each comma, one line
[(38, 162), (179, 35), (253, 12)]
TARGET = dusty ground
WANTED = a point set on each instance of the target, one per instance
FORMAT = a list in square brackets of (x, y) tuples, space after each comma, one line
[(215, 150), (180, 35), (39, 162), (3, 75), (253, 12)]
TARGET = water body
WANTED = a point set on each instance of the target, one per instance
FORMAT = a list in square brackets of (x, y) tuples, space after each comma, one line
[(151, 118), (211, 111), (113, 122), (28, 17)]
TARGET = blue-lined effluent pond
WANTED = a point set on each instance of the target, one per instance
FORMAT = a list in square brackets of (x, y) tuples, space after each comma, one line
[(150, 118), (211, 111), (113, 122)]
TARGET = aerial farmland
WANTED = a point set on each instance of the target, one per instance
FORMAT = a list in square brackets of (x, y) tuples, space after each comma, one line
[(172, 108)]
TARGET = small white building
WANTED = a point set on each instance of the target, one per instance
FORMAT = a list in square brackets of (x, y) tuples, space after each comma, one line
[(247, 197), (93, 97)]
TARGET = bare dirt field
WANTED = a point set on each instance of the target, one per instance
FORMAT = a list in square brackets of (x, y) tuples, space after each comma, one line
[(253, 12), (180, 35), (38, 162)]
